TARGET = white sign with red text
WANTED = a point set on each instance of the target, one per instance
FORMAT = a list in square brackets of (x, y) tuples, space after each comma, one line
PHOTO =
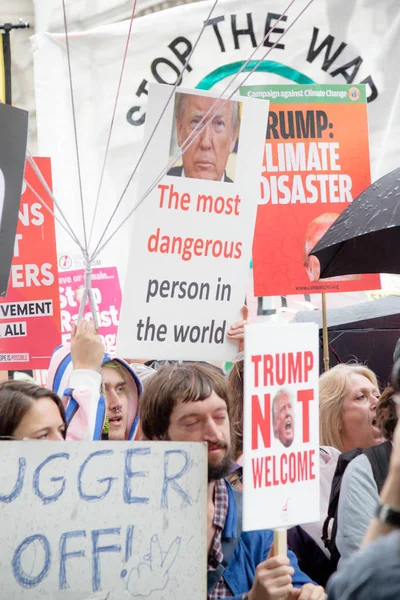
[(281, 426), (194, 231)]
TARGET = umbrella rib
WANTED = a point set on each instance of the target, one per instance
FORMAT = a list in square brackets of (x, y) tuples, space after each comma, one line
[(71, 89), (155, 128), (199, 127), (331, 260), (112, 120)]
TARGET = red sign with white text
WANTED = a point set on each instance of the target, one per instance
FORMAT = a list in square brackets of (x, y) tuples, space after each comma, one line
[(316, 161), (30, 312), (281, 441)]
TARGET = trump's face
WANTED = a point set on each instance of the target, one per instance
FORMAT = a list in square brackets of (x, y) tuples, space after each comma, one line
[(284, 421), (207, 156)]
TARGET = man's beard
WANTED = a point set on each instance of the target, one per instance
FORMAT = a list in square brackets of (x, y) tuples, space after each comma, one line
[(224, 467), (220, 470)]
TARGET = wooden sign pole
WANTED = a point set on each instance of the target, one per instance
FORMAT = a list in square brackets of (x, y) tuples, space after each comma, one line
[(325, 339), (280, 547)]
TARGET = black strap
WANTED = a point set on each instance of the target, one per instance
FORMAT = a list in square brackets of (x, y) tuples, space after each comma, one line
[(228, 546), (344, 459), (213, 577), (379, 457), (325, 533)]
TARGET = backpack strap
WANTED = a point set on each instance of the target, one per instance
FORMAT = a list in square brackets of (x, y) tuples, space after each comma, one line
[(344, 459), (379, 458), (228, 545), (213, 577)]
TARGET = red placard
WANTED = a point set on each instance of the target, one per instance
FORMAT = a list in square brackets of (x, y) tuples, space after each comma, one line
[(30, 312), (107, 296), (316, 161)]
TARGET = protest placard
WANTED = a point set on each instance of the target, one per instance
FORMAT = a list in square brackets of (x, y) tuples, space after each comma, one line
[(13, 135), (107, 295), (127, 519), (194, 231), (281, 426), (30, 313), (316, 161)]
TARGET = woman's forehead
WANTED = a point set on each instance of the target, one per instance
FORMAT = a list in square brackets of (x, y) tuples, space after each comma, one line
[(358, 380)]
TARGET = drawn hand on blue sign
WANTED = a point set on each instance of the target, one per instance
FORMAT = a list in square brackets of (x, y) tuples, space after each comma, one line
[(153, 575)]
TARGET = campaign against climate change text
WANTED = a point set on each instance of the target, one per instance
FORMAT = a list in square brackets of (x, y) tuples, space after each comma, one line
[(316, 162)]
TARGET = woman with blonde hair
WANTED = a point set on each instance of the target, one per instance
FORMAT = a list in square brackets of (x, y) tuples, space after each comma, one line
[(348, 396)]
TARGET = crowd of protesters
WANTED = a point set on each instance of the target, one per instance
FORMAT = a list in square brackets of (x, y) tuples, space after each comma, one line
[(352, 552)]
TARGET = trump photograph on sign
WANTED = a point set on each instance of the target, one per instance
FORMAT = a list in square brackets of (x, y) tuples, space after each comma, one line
[(283, 417), (315, 230), (210, 154)]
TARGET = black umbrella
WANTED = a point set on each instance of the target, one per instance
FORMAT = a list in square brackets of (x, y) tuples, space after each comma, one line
[(367, 332), (365, 238)]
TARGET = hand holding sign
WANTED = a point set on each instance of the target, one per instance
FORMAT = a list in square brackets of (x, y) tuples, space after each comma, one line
[(87, 349), (309, 591), (236, 331), (156, 569), (273, 579)]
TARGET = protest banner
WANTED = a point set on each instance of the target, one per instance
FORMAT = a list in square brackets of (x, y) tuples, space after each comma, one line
[(107, 295), (316, 161), (126, 519), (30, 313), (194, 231), (13, 135), (325, 45), (281, 426)]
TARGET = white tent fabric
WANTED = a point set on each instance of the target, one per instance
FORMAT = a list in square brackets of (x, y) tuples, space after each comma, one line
[(83, 15), (46, 15), (334, 42), (364, 31)]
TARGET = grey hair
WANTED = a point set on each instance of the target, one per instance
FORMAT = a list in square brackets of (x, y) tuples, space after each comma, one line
[(277, 397), (181, 99)]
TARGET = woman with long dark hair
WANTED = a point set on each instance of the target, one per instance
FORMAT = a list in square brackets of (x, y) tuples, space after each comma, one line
[(28, 411)]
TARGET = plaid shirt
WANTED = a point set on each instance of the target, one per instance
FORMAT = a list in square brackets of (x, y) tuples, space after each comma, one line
[(215, 557)]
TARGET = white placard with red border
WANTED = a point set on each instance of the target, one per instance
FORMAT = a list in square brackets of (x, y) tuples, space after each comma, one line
[(281, 426), (193, 234)]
